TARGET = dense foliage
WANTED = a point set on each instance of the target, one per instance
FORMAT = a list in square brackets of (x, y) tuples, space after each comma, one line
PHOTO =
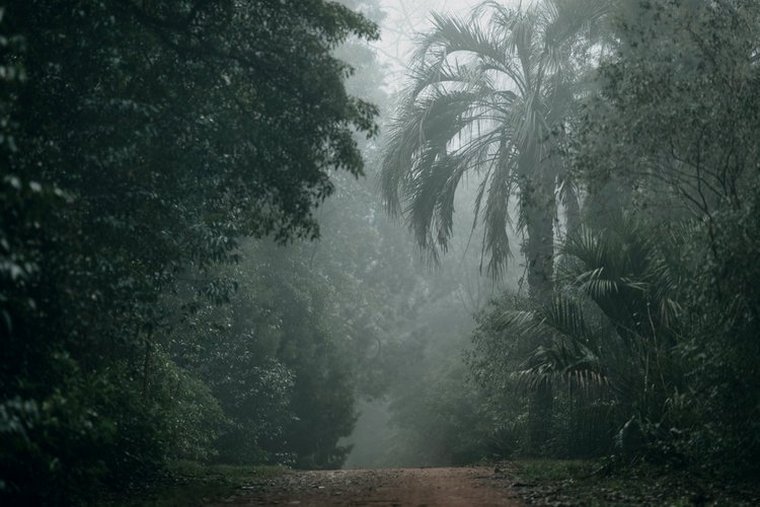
[(644, 346), (176, 285), (141, 142)]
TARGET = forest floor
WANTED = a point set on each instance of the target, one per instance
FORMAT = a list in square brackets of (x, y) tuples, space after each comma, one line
[(445, 487), (522, 482)]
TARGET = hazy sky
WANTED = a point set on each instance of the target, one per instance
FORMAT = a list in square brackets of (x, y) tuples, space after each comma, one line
[(405, 18)]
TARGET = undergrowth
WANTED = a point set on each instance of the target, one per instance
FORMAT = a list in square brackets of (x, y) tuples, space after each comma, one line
[(189, 484)]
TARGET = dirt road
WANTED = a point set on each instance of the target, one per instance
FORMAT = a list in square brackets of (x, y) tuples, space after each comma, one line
[(414, 487)]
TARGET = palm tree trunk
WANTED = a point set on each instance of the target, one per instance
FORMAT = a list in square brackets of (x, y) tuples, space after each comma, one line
[(540, 207), (571, 202)]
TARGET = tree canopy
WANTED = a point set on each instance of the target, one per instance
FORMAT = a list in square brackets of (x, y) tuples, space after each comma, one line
[(484, 98), (143, 141)]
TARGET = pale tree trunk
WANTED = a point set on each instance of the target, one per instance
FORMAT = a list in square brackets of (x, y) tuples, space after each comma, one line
[(540, 208), (571, 203)]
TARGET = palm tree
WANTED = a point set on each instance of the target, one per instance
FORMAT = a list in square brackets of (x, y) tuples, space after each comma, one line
[(484, 99), (610, 330)]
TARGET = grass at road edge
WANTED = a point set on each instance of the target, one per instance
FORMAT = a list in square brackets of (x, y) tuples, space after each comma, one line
[(537, 481), (190, 484), (592, 483)]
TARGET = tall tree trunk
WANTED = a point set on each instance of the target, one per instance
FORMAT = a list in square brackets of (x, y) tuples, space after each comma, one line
[(571, 203), (540, 208)]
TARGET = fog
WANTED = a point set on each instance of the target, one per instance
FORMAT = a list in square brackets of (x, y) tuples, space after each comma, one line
[(401, 25), (245, 238)]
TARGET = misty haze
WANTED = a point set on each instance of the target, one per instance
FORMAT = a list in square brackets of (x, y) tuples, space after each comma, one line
[(379, 252)]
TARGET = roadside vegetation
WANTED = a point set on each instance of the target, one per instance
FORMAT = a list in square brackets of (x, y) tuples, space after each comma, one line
[(205, 264), (544, 482), (187, 483), (622, 134)]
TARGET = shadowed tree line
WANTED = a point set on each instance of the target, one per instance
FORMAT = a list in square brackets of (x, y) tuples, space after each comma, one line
[(148, 150)]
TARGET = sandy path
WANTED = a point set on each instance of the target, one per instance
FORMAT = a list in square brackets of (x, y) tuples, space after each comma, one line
[(415, 487)]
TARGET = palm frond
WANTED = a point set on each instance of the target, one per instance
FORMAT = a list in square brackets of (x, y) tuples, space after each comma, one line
[(563, 363), (564, 19), (418, 134), (496, 215), (564, 343), (479, 96), (432, 207), (452, 35), (624, 271)]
